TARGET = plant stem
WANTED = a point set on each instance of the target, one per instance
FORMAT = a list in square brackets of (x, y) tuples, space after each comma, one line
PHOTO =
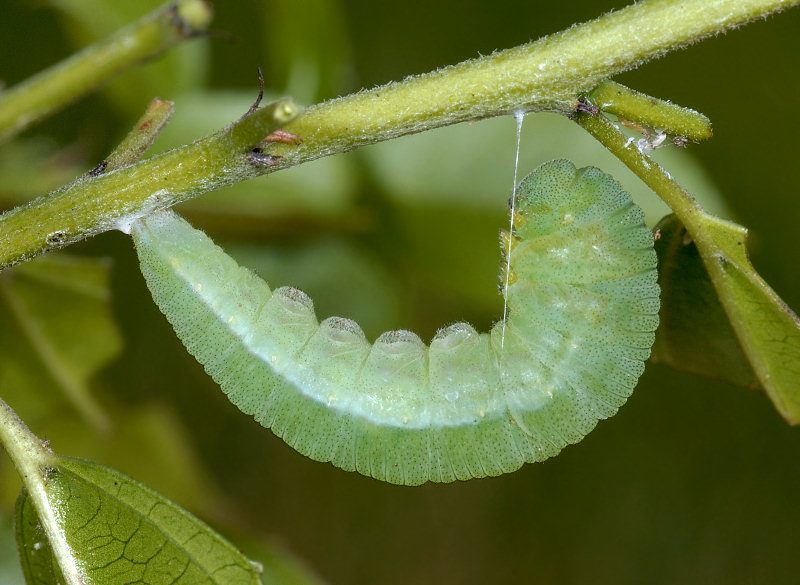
[(686, 207), (547, 74), (28, 453), (655, 114), (141, 137), (154, 33), (94, 204), (32, 458)]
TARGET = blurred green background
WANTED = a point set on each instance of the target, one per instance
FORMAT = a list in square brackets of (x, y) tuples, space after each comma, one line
[(694, 481)]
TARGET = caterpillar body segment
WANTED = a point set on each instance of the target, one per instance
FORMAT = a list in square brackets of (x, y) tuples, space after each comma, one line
[(582, 314)]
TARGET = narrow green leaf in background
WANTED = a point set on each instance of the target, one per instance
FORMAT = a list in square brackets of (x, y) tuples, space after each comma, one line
[(182, 67), (67, 80), (307, 48), (57, 330)]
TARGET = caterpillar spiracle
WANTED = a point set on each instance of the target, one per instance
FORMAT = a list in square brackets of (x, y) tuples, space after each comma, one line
[(583, 308)]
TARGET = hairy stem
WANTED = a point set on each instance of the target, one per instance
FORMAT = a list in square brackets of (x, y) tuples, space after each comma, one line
[(641, 109), (547, 74), (100, 202), (140, 138), (154, 33), (686, 207)]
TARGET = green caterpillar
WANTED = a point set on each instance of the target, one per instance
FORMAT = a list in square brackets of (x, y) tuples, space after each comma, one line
[(583, 308)]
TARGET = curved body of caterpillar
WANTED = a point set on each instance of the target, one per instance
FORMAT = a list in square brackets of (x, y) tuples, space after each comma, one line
[(583, 308)]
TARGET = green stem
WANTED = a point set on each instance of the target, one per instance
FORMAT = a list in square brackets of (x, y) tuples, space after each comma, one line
[(141, 137), (686, 207), (154, 33), (33, 458), (653, 113), (94, 204), (547, 74)]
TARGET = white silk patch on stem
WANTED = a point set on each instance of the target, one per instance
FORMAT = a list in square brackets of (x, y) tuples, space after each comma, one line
[(151, 204), (518, 116)]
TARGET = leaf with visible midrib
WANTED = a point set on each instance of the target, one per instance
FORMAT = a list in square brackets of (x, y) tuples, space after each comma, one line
[(121, 532), (695, 334)]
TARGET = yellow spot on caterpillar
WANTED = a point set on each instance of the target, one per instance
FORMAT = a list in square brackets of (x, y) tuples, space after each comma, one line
[(331, 398), (481, 412), (197, 287), (404, 419), (508, 241), (273, 358), (520, 219), (568, 218), (507, 275), (507, 244)]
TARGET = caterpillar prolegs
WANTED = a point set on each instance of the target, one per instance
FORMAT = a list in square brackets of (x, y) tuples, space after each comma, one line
[(583, 307)]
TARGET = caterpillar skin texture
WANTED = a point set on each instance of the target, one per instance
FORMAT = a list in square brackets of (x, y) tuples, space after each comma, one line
[(583, 309)]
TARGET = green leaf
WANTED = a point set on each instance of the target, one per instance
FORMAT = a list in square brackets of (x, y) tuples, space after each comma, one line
[(121, 531), (766, 327), (35, 554), (9, 558), (57, 331), (81, 523), (40, 568), (695, 334)]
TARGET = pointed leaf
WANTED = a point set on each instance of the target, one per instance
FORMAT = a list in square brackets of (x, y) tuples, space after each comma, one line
[(121, 532), (767, 328), (694, 334)]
